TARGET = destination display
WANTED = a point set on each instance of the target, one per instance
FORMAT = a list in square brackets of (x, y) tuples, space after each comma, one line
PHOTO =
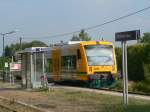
[(128, 35)]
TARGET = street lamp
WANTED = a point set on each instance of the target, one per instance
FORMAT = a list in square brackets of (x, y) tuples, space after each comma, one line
[(3, 54)]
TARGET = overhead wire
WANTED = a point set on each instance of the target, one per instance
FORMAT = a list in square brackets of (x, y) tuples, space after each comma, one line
[(95, 26)]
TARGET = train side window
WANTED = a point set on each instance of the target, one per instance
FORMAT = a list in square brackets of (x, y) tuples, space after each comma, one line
[(49, 67), (68, 62), (78, 54)]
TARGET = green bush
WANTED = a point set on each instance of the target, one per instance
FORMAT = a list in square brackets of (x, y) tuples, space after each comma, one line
[(138, 67), (119, 85), (142, 87), (135, 62), (138, 61), (147, 72)]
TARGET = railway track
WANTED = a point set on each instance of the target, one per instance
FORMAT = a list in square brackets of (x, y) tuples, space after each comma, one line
[(143, 96), (71, 84), (12, 105), (130, 92), (6, 109)]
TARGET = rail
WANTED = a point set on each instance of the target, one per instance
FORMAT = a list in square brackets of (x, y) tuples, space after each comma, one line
[(12, 105)]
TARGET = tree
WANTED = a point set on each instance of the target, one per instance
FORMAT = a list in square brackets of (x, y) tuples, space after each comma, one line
[(146, 38), (10, 50), (83, 36), (75, 38), (36, 43)]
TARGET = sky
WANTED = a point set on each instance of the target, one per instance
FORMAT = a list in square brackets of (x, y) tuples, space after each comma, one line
[(44, 18)]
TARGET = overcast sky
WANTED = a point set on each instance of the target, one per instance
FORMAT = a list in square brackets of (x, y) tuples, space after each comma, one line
[(43, 18)]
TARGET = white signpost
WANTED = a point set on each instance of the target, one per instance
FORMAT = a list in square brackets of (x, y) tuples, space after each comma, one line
[(123, 37), (6, 67), (14, 67)]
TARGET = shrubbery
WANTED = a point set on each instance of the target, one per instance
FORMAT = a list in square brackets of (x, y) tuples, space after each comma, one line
[(138, 66)]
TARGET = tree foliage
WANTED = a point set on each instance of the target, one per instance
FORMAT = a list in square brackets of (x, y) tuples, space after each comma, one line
[(10, 50), (136, 55), (146, 38), (83, 36), (138, 61), (118, 52)]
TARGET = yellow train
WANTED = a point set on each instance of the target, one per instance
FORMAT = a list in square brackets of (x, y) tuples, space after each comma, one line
[(93, 62)]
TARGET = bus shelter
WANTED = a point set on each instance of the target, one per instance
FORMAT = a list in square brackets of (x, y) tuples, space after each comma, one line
[(33, 62)]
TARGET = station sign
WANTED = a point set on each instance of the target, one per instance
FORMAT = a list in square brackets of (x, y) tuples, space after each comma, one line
[(15, 66), (128, 35), (123, 37)]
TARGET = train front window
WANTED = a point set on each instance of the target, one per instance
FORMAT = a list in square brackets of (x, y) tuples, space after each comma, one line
[(99, 55)]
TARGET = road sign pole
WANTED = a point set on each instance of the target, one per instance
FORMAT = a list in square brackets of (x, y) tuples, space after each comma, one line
[(123, 37), (125, 72)]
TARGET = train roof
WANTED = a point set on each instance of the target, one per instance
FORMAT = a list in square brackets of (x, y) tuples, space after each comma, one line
[(73, 43), (34, 49)]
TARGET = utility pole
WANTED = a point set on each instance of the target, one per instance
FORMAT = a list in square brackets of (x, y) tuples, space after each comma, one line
[(20, 43), (3, 54)]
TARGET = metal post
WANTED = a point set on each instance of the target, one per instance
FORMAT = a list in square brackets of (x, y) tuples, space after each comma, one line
[(6, 76), (3, 55), (12, 75), (12, 59), (31, 74), (35, 74), (44, 75), (3, 45), (20, 43), (124, 72), (10, 78), (43, 63)]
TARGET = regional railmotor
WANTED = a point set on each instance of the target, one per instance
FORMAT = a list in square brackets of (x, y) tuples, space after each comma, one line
[(93, 62)]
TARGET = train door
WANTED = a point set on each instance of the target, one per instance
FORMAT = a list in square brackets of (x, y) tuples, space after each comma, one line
[(56, 58)]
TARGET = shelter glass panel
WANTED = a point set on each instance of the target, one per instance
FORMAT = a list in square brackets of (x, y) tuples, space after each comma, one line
[(38, 66)]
